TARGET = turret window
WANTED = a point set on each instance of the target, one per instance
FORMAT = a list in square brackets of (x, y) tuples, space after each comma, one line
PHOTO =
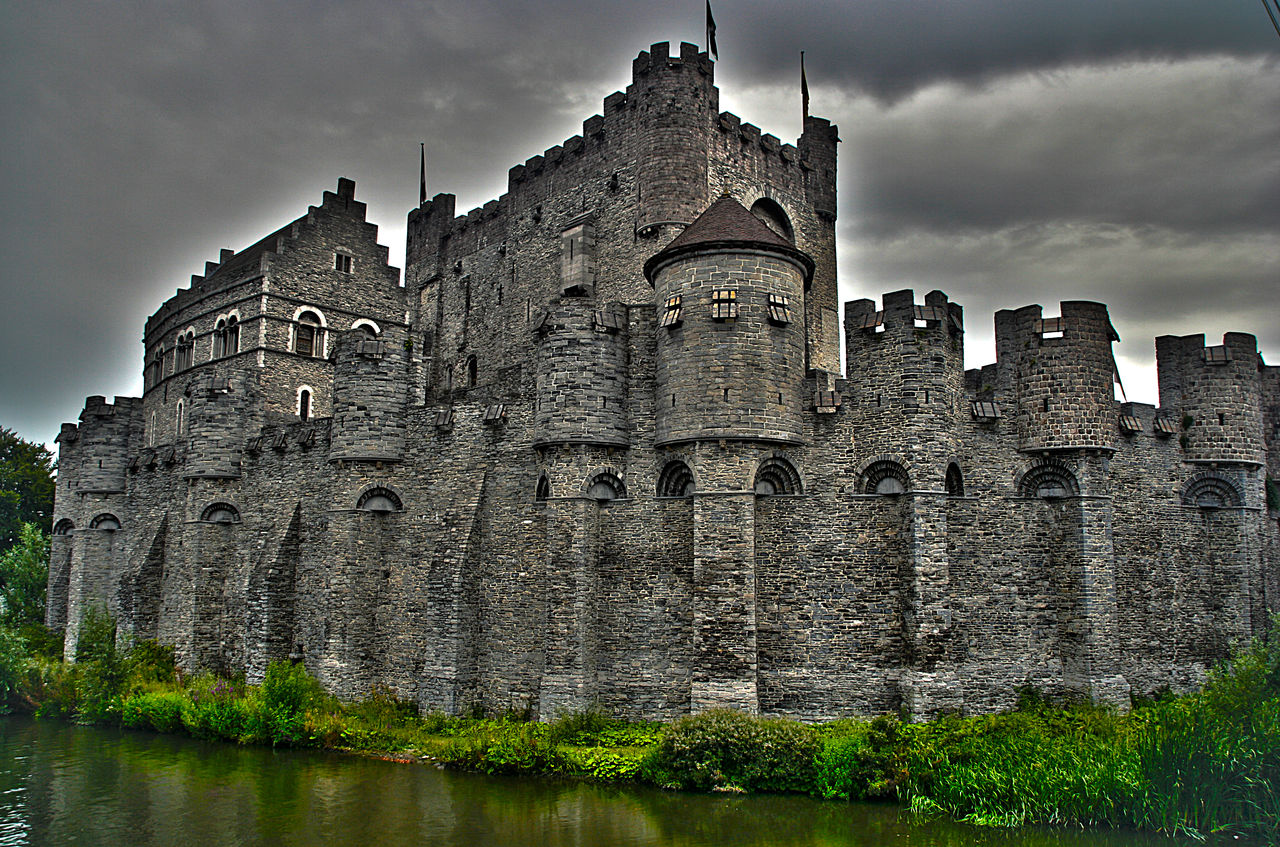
[(184, 356), (305, 395), (724, 304), (671, 312), (779, 310), (226, 337)]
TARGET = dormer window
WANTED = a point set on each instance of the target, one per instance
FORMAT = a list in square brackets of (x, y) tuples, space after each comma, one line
[(342, 262)]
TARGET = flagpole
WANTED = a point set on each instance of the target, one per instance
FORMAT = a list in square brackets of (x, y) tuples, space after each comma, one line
[(711, 33), (804, 92)]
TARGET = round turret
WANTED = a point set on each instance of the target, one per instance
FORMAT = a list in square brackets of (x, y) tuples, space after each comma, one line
[(730, 299), (1062, 374), (671, 165), (1215, 396), (368, 399), (582, 374)]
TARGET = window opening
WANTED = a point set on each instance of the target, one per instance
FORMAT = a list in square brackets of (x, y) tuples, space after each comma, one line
[(724, 304), (308, 338), (543, 489), (342, 262), (304, 404), (954, 481), (472, 371), (671, 311), (779, 310)]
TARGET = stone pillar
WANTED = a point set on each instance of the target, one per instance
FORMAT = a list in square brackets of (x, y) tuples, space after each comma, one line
[(569, 670), (725, 660), (1095, 667)]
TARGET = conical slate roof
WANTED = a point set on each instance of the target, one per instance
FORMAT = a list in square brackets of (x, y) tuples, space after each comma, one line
[(726, 220), (727, 224)]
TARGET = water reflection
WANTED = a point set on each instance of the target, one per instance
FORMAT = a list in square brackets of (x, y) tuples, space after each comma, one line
[(62, 784)]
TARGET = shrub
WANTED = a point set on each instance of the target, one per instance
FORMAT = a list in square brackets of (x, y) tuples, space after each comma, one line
[(13, 663), (722, 749), (861, 762), (156, 710), (104, 670)]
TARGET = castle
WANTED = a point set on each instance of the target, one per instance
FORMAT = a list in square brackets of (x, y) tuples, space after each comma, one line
[(597, 449)]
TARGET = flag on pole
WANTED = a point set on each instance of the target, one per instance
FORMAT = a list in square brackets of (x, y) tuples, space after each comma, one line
[(711, 32), (804, 86), (422, 176)]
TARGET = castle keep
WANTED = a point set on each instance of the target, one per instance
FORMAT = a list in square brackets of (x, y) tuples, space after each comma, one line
[(597, 449)]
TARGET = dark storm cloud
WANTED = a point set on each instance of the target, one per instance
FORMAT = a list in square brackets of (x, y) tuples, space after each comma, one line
[(1005, 152)]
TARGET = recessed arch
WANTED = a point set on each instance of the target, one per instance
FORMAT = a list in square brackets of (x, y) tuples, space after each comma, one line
[(676, 480), (379, 499), (772, 215), (954, 482), (1211, 491), (542, 491), (105, 521), (368, 327), (776, 475), (1048, 480), (604, 485), (64, 527), (220, 513), (886, 477), (473, 371)]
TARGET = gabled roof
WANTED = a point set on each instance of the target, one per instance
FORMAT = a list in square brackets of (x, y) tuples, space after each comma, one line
[(728, 225)]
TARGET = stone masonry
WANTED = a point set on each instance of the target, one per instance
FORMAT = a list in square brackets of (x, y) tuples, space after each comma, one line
[(597, 449)]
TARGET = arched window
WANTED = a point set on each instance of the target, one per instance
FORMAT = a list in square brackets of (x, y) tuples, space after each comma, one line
[(1211, 491), (184, 357), (308, 335), (222, 513), (886, 477), (604, 486), (231, 336), (63, 527), (773, 216), (543, 489), (219, 338), (304, 403), (368, 327), (105, 521), (179, 419), (380, 500), (955, 481), (676, 480), (1049, 480), (776, 476), (472, 371)]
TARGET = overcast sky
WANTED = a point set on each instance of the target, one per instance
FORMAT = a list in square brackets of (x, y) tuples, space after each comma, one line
[(1006, 152)]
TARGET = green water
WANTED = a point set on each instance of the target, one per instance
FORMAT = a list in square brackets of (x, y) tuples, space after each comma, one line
[(63, 784)]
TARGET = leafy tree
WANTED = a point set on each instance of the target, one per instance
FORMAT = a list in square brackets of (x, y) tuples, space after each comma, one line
[(24, 573), (26, 487)]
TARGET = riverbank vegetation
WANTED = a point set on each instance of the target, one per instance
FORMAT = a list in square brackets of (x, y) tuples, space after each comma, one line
[(1202, 763)]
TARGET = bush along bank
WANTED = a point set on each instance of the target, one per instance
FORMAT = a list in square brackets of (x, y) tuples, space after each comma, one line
[(1204, 763)]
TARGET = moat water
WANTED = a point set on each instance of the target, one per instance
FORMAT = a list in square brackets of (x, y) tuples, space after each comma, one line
[(63, 784)]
